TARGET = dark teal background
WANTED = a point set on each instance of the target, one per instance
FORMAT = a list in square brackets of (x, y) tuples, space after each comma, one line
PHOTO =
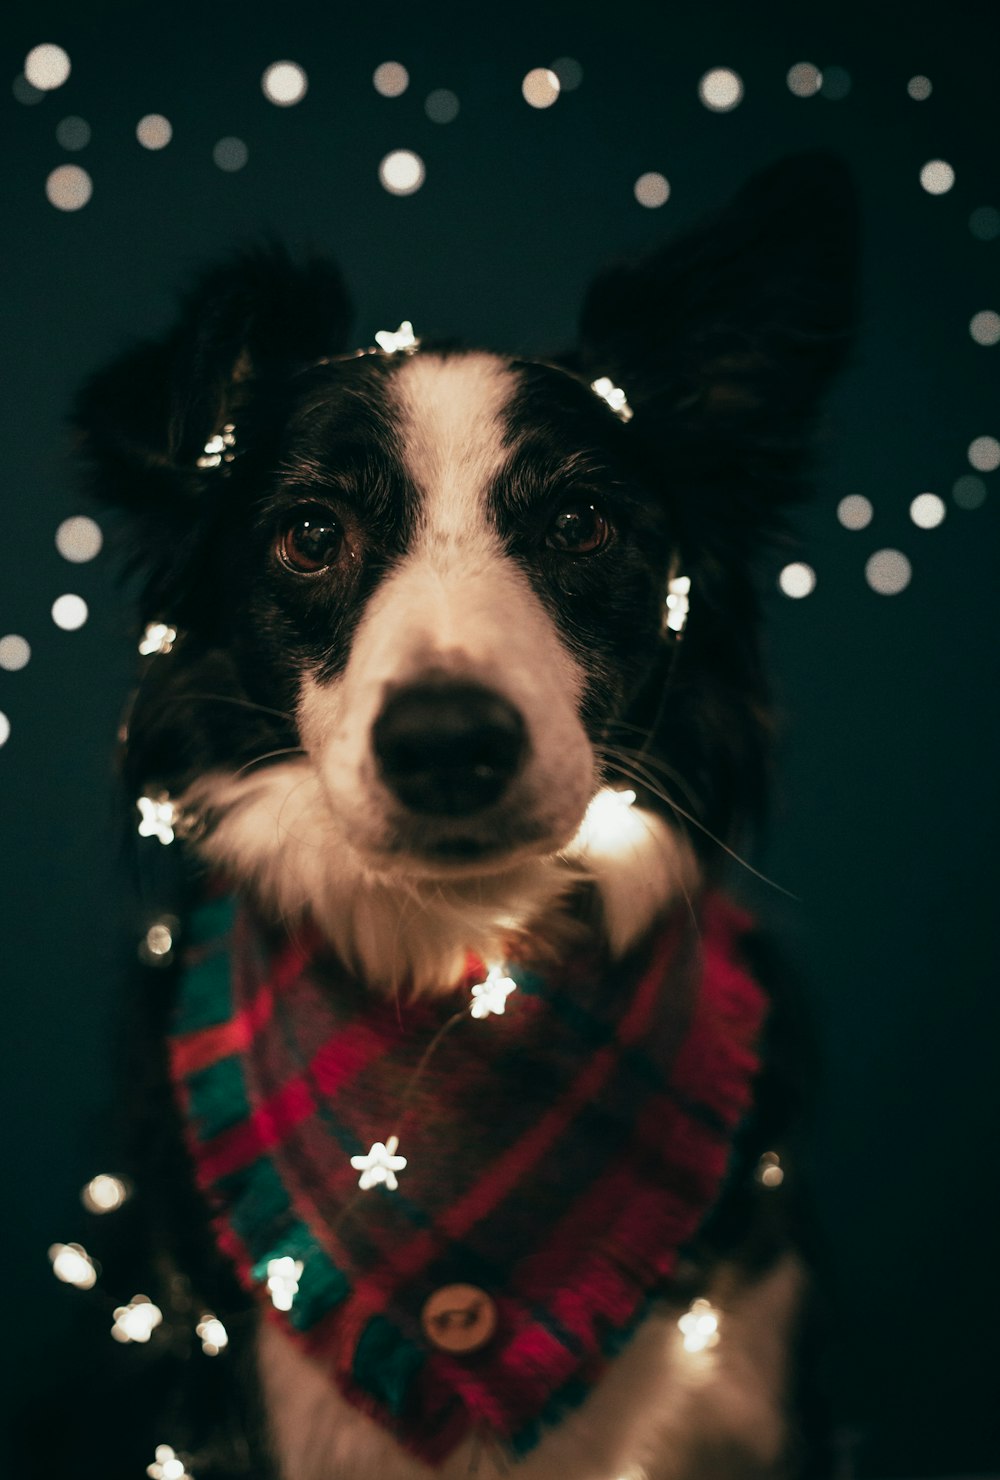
[(885, 810)]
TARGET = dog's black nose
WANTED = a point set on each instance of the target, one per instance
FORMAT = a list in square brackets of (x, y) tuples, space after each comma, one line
[(448, 749)]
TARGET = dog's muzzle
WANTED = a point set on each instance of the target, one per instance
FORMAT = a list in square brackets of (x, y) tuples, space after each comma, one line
[(448, 749)]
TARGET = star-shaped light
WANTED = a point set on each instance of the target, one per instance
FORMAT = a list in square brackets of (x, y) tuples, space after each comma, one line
[(157, 817), (380, 1165), (218, 448), (404, 341), (136, 1321), (491, 995), (159, 637), (212, 1334), (699, 1325), (283, 1277), (613, 396), (166, 1465)]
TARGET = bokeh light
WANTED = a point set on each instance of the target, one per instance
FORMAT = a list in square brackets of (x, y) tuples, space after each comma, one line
[(797, 580), (4, 728), (984, 454), (652, 189), (888, 572), (855, 511), (15, 652), (540, 87), (402, 172), (927, 510), (69, 612), (230, 154), (154, 131), (836, 83), (69, 187), (46, 66), (391, 79), (919, 88), (24, 92), (73, 132), (441, 105), (569, 72), (104, 1194), (984, 223), (969, 492), (721, 89), (284, 84), (79, 539), (985, 326), (804, 79), (937, 177)]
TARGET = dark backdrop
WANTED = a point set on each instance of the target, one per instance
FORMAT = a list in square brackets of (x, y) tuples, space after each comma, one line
[(884, 817)]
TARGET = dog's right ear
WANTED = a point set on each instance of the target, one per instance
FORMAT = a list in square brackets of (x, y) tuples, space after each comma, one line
[(143, 422)]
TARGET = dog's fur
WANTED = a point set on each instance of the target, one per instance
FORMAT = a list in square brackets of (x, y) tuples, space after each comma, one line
[(448, 478)]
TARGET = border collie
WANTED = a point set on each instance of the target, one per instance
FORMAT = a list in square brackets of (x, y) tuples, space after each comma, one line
[(417, 617)]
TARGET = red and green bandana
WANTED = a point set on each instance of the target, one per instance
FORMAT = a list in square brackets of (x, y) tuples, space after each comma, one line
[(558, 1155)]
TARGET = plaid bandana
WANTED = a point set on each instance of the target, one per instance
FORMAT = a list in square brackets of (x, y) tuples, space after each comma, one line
[(558, 1156)]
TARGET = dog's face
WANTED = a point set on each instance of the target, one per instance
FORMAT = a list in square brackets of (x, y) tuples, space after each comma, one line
[(427, 588)]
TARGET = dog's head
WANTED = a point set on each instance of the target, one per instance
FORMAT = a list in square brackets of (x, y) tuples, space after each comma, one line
[(421, 594)]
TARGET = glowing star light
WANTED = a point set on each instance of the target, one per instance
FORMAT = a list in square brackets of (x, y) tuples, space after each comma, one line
[(157, 816), (283, 1277), (166, 1465), (73, 1265), (159, 637), (613, 396), (491, 995), (136, 1321), (380, 1165), (699, 1325), (404, 341)]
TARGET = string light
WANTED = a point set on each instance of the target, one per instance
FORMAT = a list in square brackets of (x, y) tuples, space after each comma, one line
[(888, 572), (678, 603), (985, 327), (69, 612), (441, 105), (73, 1265), (283, 1277), (212, 1333), (390, 79), (403, 341), (219, 447), (607, 823), (855, 511), (969, 492), (380, 1165), (166, 1465), (652, 190), (490, 996), (770, 1172), (69, 187), (540, 87), (154, 131), (156, 948), (47, 67), (284, 84), (699, 1326), (984, 454), (937, 177), (136, 1321), (15, 652), (104, 1193), (4, 728), (79, 539), (157, 818), (402, 172), (919, 88), (569, 72), (804, 80), (927, 510), (721, 89), (797, 580), (158, 637), (73, 132), (613, 396), (229, 154)]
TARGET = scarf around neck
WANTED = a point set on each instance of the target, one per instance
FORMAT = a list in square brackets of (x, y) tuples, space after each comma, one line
[(558, 1156)]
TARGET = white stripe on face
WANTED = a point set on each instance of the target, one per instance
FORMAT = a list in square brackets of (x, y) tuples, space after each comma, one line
[(459, 606)]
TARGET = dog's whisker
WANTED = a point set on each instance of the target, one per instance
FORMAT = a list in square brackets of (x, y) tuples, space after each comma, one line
[(269, 755)]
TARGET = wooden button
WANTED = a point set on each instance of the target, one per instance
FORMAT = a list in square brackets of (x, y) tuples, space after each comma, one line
[(459, 1318)]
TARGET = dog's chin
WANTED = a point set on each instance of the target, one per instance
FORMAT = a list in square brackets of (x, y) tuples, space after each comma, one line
[(458, 852)]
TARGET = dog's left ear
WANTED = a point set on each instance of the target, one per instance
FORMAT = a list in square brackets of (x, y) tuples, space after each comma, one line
[(725, 339)]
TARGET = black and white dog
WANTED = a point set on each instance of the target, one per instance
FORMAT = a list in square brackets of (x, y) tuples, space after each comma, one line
[(421, 604)]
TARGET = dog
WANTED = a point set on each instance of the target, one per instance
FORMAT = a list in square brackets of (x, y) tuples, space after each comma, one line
[(451, 678)]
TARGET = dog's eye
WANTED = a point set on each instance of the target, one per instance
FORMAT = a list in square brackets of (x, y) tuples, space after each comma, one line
[(310, 541), (579, 528)]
